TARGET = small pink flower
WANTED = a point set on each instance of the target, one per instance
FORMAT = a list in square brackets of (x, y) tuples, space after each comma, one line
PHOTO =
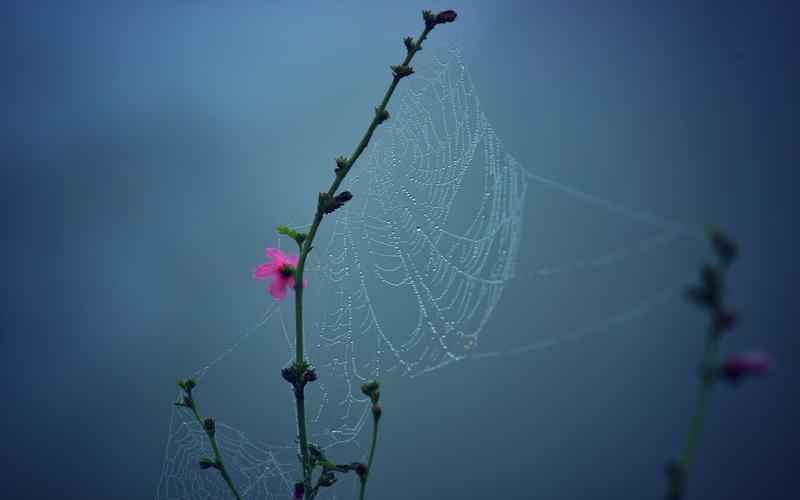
[(299, 491), (281, 269), (745, 364)]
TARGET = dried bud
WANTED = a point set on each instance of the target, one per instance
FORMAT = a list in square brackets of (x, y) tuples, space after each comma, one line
[(289, 374), (409, 43), (209, 425), (725, 248), (382, 115), (207, 463), (401, 70), (745, 364), (310, 375), (445, 16), (370, 389), (329, 204), (726, 321), (430, 19), (361, 469)]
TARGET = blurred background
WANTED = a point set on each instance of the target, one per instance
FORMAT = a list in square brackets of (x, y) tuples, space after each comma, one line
[(149, 149)]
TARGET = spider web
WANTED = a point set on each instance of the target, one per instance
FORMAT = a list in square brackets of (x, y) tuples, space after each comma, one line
[(406, 277)]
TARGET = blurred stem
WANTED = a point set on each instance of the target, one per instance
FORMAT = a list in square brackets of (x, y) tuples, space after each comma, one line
[(704, 394), (306, 247)]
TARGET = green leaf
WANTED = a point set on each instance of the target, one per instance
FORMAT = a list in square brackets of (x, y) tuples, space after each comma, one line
[(291, 233)]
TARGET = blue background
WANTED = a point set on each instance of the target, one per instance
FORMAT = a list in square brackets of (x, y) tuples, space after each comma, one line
[(148, 149)]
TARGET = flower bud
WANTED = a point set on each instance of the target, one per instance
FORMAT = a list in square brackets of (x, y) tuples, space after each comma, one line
[(299, 491), (445, 16), (745, 364), (726, 321), (382, 116), (289, 374), (361, 469), (370, 388), (209, 425), (207, 463), (187, 385), (401, 70), (725, 248)]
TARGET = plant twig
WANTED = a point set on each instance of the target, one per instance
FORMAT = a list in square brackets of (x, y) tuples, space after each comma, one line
[(326, 205), (709, 294), (209, 426)]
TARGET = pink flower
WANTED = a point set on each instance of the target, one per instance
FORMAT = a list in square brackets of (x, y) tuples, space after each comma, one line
[(299, 491), (281, 269), (744, 364)]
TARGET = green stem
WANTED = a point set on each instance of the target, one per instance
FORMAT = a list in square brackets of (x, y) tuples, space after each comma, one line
[(369, 461), (306, 247), (704, 394), (217, 454)]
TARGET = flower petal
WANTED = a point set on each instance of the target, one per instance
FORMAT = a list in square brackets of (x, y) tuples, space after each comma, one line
[(264, 271), (276, 256), (278, 289)]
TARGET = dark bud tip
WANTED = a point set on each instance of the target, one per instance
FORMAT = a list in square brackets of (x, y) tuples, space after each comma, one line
[(725, 248), (310, 375), (187, 385), (445, 16), (401, 70), (207, 463), (429, 18), (329, 204), (289, 375), (360, 469), (409, 43), (700, 296), (209, 425), (370, 388), (726, 321), (382, 115)]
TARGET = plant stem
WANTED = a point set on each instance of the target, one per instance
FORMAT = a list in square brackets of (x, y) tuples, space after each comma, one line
[(704, 395), (217, 454), (369, 462), (306, 247)]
